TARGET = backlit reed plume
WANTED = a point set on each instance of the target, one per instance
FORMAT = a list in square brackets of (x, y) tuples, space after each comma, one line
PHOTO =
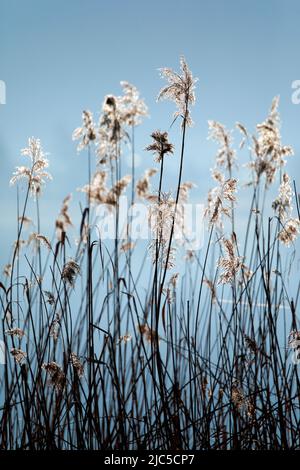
[(124, 338), (226, 154), (18, 245), (244, 132), (18, 332), (70, 271), (87, 132), (128, 246), (269, 153), (190, 255), (290, 232), (57, 378), (97, 189), (25, 221), (35, 174), (118, 112), (230, 263), (55, 327), (63, 221), (251, 344), (143, 187), (109, 131), (131, 106), (294, 339), (283, 207), (283, 203), (7, 270), (161, 216), (100, 194), (18, 355), (37, 239), (212, 289), (160, 146), (171, 289), (77, 365), (149, 334), (50, 297), (180, 90), (237, 397), (216, 202), (113, 195)]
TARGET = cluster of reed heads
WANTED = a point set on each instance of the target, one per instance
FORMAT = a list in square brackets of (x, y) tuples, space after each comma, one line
[(106, 346)]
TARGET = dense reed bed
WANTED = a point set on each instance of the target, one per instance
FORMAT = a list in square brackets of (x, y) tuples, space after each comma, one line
[(117, 343)]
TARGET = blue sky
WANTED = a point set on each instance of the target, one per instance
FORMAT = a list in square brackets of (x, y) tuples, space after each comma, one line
[(58, 58)]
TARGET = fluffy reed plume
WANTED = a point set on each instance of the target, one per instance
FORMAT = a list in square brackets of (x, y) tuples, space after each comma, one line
[(57, 377), (160, 217), (231, 263), (149, 334), (35, 174), (38, 239), (212, 289), (171, 289), (282, 205), (226, 154), (160, 146), (180, 90), (267, 148), (86, 133), (18, 355), (55, 327), (189, 255), (97, 189), (131, 107), (242, 403), (184, 191), (18, 245), (100, 194), (63, 221), (251, 344), (50, 297), (77, 365), (294, 339), (143, 187), (113, 195), (25, 221), (118, 112), (247, 273), (109, 130), (70, 271), (7, 270), (124, 338), (174, 280), (244, 132), (216, 201), (237, 397), (128, 246), (18, 332), (290, 232)]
